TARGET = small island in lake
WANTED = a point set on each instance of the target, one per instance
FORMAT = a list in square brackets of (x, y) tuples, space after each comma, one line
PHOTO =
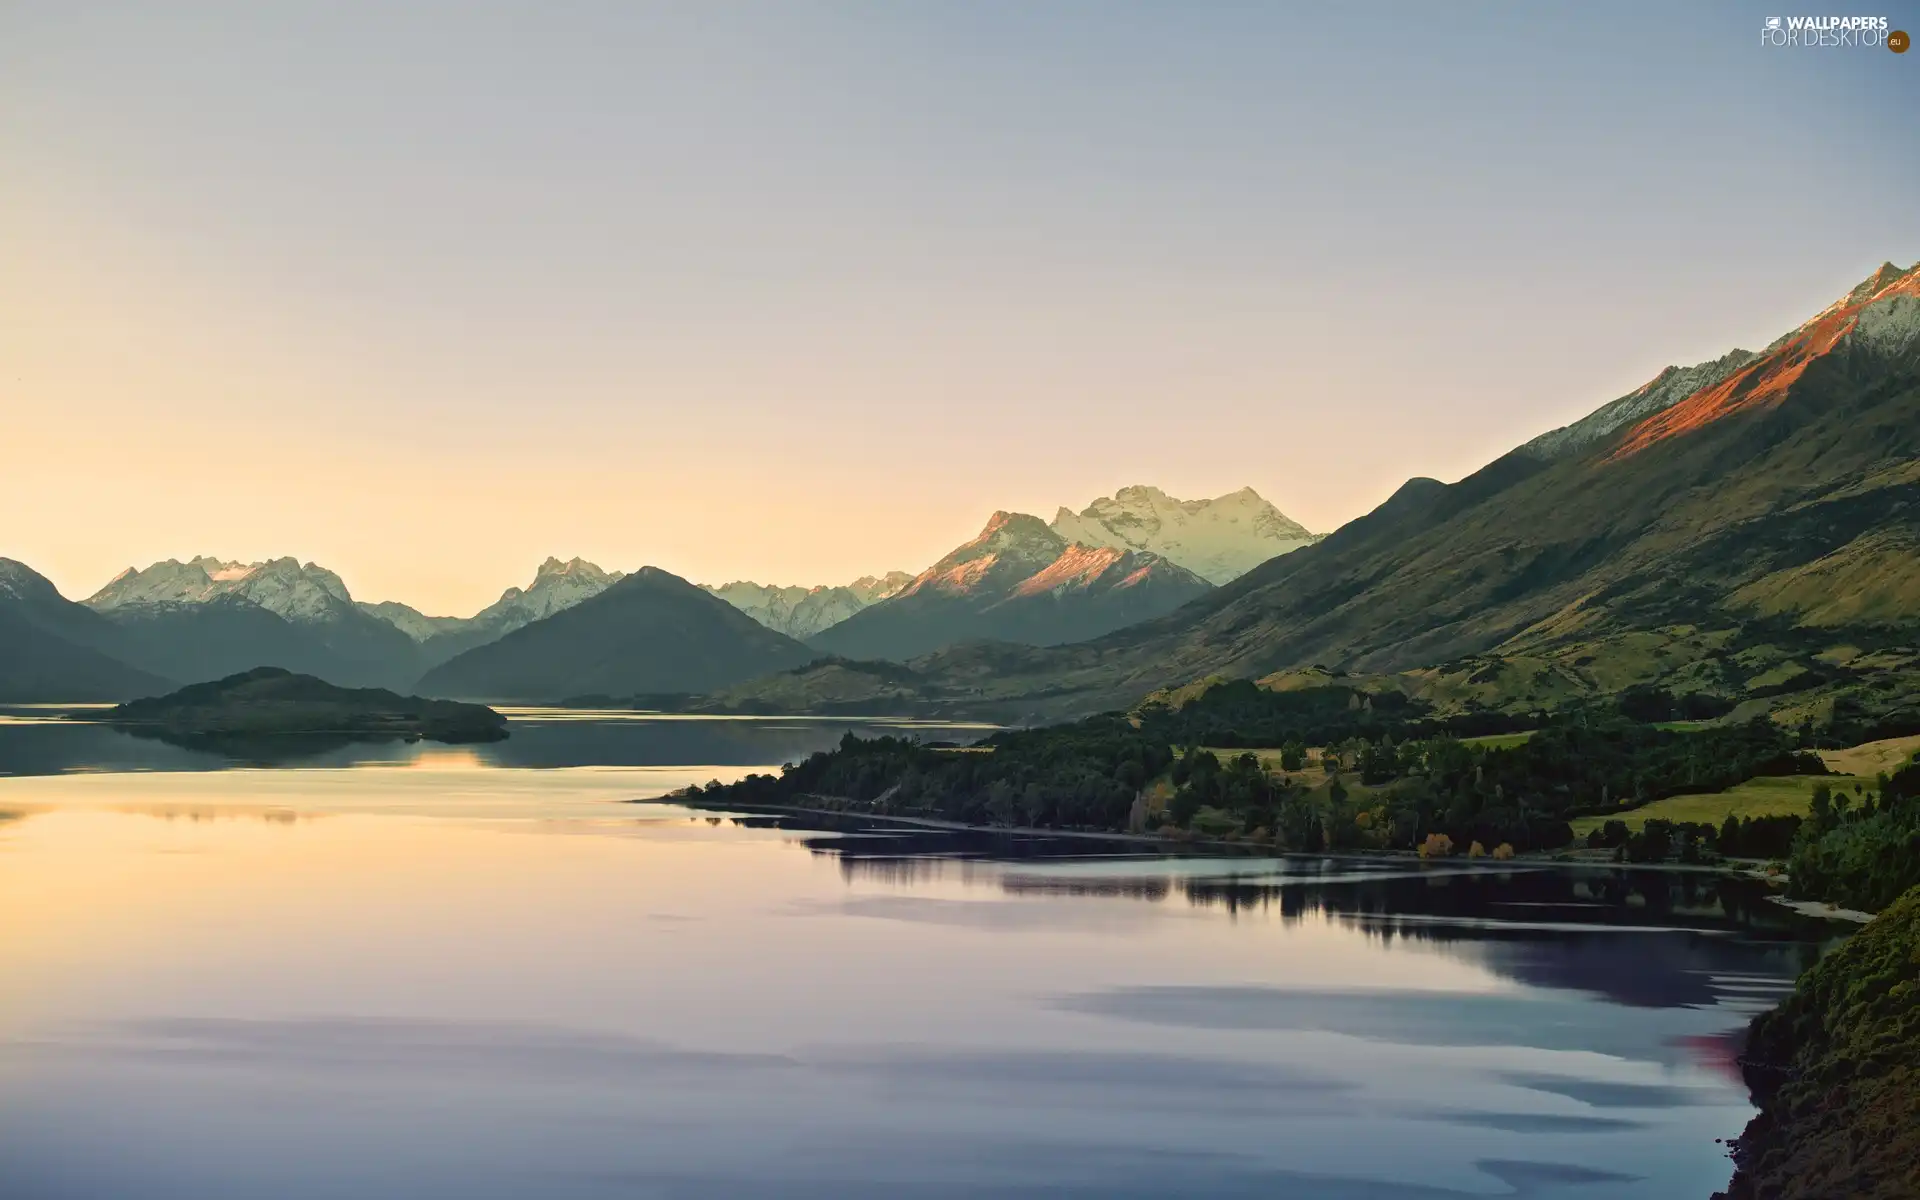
[(275, 701)]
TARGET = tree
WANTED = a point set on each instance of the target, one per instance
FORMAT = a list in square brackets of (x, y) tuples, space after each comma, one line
[(1379, 762)]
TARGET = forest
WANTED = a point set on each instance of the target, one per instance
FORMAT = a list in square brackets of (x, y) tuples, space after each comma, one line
[(1383, 774)]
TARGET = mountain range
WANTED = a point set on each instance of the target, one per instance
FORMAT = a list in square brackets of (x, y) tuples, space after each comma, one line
[(1018, 581), (647, 633), (54, 649), (207, 617), (801, 612), (556, 586), (1748, 526), (1219, 539)]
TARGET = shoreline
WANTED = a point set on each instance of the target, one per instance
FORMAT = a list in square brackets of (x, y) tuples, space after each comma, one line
[(1823, 910), (1809, 908)]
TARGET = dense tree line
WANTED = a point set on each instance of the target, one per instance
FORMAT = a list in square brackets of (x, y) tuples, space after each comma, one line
[(1855, 721), (1524, 795), (1861, 851), (1659, 840), (1081, 776), (1390, 776)]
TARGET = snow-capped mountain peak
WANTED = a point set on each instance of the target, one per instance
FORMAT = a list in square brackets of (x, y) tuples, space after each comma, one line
[(872, 589), (1013, 529), (801, 612), (1218, 539), (303, 592), (556, 585), (18, 581), (1010, 541), (575, 568)]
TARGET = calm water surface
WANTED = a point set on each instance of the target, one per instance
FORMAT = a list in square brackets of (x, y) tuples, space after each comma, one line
[(419, 971)]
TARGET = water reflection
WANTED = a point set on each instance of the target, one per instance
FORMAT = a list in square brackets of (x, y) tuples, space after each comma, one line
[(404, 983), (1644, 938), (37, 742)]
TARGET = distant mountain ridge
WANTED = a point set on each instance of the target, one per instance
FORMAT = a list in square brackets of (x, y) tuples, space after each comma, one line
[(556, 587), (801, 612), (1219, 539), (1017, 581), (208, 618), (283, 586), (1726, 523), (650, 632)]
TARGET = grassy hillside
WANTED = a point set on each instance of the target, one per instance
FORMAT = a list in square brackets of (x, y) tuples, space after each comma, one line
[(1766, 796), (1873, 758)]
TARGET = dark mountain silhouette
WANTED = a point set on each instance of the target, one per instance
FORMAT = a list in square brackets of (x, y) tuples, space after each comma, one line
[(275, 701), (231, 633), (53, 649), (650, 633)]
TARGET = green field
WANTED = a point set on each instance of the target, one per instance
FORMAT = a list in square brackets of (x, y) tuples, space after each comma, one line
[(1768, 796), (1499, 741)]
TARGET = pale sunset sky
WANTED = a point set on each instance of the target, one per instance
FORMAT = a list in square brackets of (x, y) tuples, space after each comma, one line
[(797, 292)]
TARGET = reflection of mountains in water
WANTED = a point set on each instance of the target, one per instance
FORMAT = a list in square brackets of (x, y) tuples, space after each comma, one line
[(557, 739), (1642, 938), (269, 749)]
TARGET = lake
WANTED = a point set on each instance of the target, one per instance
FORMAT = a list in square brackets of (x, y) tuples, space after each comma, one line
[(422, 971)]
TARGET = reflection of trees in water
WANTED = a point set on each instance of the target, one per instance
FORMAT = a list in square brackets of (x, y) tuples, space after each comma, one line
[(51, 748), (897, 872), (207, 814), (1638, 937), (1126, 887), (1647, 938), (192, 814), (267, 749)]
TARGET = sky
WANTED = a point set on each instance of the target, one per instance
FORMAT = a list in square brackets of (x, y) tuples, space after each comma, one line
[(797, 292)]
